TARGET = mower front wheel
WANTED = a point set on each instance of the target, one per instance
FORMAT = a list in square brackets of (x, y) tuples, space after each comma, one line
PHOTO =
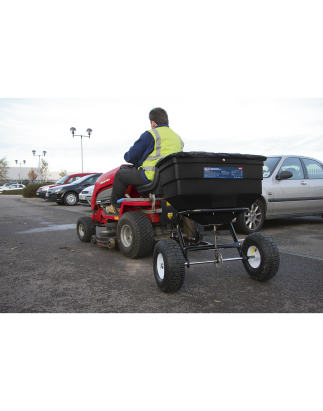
[(169, 266), (85, 229)]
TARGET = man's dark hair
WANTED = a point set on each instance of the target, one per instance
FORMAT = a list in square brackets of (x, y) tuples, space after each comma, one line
[(158, 115)]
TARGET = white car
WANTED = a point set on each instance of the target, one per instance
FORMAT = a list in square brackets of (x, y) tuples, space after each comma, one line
[(14, 186), (292, 186), (86, 195), (6, 185)]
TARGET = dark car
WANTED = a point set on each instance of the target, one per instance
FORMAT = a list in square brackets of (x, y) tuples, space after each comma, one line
[(67, 179), (68, 194)]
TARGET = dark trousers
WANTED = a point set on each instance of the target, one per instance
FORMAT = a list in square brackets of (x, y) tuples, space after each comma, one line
[(122, 180)]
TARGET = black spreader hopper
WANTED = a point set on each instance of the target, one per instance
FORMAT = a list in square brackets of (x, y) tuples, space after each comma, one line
[(213, 188)]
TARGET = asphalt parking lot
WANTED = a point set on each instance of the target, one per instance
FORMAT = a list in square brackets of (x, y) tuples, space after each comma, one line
[(45, 268)]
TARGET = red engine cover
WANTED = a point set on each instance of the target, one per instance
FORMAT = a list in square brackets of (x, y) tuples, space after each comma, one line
[(103, 182)]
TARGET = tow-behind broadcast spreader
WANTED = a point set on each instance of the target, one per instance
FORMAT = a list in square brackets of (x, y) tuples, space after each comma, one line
[(193, 193)]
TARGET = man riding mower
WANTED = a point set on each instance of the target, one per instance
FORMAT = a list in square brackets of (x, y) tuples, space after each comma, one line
[(183, 195)]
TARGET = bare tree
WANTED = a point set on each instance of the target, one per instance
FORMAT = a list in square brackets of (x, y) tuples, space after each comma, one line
[(32, 175), (44, 170), (62, 173), (4, 168)]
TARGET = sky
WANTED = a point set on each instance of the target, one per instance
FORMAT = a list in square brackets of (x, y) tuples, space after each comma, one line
[(230, 125), (186, 22)]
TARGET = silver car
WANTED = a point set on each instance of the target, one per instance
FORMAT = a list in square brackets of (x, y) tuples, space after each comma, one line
[(86, 195), (292, 186), (14, 186)]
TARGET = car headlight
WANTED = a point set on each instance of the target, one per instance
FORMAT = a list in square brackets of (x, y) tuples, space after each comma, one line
[(56, 190)]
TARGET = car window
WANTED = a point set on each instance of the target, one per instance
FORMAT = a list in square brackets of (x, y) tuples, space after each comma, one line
[(270, 165), (314, 169), (92, 180), (21, 186), (72, 180), (62, 180), (293, 164)]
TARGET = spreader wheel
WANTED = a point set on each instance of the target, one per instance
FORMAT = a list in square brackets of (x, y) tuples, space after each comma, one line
[(85, 229), (265, 263), (135, 235), (169, 266)]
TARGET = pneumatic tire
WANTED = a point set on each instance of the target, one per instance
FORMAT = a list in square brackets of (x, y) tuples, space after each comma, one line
[(169, 266), (71, 199), (266, 262), (85, 229), (135, 235), (252, 220)]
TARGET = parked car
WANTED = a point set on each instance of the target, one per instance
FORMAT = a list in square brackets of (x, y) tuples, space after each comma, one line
[(292, 186), (6, 185), (86, 195), (14, 186), (68, 194), (67, 179)]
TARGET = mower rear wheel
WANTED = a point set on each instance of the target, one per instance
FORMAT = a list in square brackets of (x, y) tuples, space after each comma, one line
[(135, 235), (169, 266), (265, 264), (85, 229)]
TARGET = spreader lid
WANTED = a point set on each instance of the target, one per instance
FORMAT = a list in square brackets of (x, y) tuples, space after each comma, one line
[(205, 154)]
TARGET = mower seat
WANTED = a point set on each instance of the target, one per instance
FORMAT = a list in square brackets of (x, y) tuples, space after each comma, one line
[(154, 187)]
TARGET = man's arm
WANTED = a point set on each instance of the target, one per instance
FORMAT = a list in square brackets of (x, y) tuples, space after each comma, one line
[(140, 150)]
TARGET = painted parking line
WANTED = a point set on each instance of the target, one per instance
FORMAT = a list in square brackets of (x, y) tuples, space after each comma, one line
[(313, 257), (51, 228), (302, 255)]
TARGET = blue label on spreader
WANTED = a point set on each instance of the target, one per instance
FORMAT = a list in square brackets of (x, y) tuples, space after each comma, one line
[(223, 172)]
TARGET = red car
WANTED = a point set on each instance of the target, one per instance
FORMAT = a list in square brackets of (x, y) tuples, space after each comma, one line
[(68, 179)]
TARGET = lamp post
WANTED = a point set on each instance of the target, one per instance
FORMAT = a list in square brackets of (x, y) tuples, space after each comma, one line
[(89, 131), (23, 161), (39, 155)]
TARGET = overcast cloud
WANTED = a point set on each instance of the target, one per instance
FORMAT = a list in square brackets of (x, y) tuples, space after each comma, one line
[(254, 126)]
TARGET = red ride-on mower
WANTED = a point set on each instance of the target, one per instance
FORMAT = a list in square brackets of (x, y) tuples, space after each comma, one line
[(191, 193)]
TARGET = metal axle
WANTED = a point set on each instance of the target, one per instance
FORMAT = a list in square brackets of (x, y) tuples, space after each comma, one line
[(214, 261)]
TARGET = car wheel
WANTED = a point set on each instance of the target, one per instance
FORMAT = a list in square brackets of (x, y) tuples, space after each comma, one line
[(70, 199), (252, 220)]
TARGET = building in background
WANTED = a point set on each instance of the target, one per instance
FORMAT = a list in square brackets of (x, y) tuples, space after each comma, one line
[(21, 173)]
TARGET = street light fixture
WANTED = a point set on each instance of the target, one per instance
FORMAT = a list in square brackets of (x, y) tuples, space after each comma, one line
[(89, 131), (39, 155), (23, 161)]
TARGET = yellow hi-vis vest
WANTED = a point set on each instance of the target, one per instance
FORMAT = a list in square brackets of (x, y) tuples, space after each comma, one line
[(166, 142)]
